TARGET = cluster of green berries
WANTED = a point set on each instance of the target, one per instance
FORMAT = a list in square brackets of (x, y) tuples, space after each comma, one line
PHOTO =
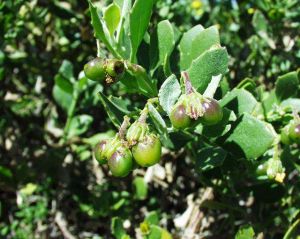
[(194, 108), (109, 70), (139, 146), (291, 133)]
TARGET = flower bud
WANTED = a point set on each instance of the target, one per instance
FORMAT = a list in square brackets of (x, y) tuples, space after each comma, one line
[(137, 132)]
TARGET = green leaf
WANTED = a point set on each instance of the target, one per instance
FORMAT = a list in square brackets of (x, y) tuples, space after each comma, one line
[(124, 105), (209, 158), (117, 228), (2, 57), (250, 137), (137, 81), (5, 172), (166, 43), (152, 218), (185, 46), (260, 24), (112, 16), (169, 93), (24, 106), (79, 125), (211, 63), (259, 21), (158, 120), (63, 92), (66, 70), (96, 138), (292, 103), (245, 232), (155, 232), (99, 29), (292, 231), (160, 125), (114, 113), (139, 21), (198, 44), (287, 85), (123, 36), (222, 127), (212, 86), (140, 188), (247, 84), (240, 101)]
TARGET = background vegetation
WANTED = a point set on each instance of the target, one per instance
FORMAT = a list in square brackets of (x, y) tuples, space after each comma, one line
[(49, 185)]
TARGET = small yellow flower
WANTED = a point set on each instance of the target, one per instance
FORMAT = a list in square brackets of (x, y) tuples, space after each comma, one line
[(251, 10), (280, 177), (196, 4)]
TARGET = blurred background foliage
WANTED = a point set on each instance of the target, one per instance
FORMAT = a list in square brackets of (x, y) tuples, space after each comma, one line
[(49, 185)]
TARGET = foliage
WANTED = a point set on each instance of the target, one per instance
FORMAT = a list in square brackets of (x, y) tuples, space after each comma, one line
[(237, 178)]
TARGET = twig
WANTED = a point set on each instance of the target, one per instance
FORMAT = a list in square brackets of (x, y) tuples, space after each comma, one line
[(124, 126), (62, 224)]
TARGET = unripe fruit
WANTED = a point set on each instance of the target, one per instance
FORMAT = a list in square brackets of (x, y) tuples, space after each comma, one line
[(284, 136), (95, 69), (147, 152), (261, 170), (294, 133), (99, 152), (213, 113), (120, 163), (179, 118), (115, 68)]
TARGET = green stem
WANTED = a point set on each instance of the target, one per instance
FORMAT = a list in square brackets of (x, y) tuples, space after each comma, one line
[(292, 229)]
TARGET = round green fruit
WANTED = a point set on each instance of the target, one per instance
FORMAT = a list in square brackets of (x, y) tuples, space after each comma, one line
[(147, 152), (179, 118), (294, 133), (115, 68), (95, 69), (120, 163), (284, 136), (261, 169), (99, 152), (213, 112)]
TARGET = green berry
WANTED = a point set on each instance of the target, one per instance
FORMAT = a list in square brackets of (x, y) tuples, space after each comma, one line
[(294, 133), (147, 152), (95, 69), (99, 152), (179, 118), (284, 136), (213, 112), (120, 163)]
